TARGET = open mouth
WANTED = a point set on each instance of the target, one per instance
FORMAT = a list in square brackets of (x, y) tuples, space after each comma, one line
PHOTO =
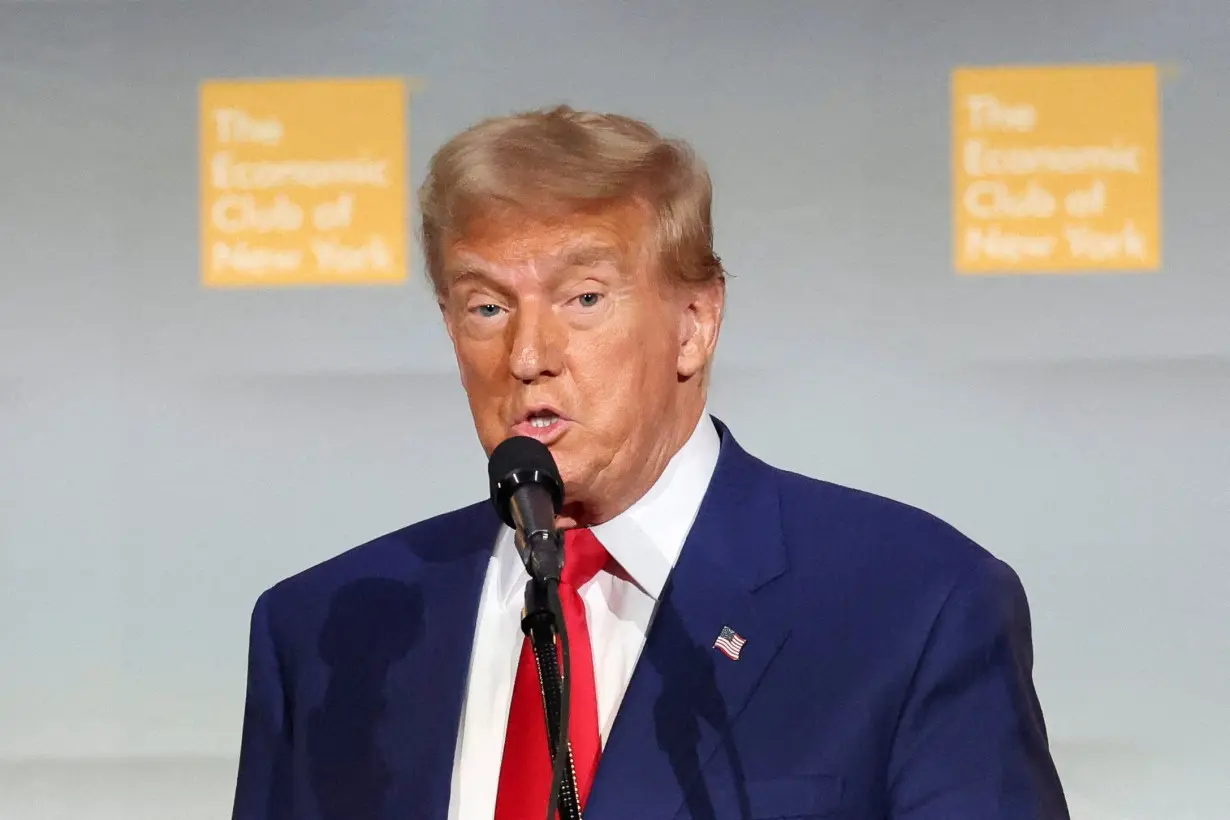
[(542, 420), (542, 423)]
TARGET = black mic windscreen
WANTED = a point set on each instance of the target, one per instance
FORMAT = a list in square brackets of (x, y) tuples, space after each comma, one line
[(518, 461)]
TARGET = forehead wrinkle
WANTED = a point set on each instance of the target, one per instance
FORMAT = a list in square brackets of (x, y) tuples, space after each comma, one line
[(549, 250), (501, 277), (584, 253)]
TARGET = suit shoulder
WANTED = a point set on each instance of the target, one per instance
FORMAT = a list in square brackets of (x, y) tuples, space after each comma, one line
[(393, 553), (883, 534)]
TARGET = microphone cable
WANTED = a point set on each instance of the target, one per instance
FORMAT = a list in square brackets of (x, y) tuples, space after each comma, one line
[(563, 752)]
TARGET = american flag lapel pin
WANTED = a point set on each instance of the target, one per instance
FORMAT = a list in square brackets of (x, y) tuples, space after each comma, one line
[(729, 643)]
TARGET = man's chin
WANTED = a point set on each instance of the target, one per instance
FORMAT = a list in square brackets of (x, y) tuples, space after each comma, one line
[(574, 471)]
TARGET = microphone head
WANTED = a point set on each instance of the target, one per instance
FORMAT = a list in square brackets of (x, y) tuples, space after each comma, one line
[(519, 461)]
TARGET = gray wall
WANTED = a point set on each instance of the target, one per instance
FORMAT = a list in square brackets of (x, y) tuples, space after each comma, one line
[(167, 452)]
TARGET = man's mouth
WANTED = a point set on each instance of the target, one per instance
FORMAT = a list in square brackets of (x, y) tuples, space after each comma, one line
[(542, 423), (542, 420)]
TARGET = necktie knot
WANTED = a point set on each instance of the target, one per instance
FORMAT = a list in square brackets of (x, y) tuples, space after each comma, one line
[(584, 557)]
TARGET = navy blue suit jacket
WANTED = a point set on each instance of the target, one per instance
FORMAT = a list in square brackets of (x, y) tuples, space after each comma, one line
[(886, 674)]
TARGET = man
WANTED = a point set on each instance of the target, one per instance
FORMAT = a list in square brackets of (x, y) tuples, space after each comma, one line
[(747, 642)]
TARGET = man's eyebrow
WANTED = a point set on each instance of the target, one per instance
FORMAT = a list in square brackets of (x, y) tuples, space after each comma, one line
[(467, 272), (589, 256), (464, 274)]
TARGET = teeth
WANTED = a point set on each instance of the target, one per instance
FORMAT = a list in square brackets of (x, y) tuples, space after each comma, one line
[(543, 421)]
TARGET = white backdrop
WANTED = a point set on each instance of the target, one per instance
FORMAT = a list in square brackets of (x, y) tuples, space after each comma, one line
[(167, 452)]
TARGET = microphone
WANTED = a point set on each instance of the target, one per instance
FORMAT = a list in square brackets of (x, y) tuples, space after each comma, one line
[(528, 493)]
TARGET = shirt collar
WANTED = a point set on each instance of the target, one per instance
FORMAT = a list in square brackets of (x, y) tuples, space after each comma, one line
[(646, 538)]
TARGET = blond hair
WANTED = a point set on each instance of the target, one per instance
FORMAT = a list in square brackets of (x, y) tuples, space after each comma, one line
[(550, 163)]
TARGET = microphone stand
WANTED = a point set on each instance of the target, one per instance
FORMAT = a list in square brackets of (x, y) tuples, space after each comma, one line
[(543, 617)]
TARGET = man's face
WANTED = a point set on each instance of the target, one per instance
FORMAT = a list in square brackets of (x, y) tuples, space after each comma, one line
[(564, 332)]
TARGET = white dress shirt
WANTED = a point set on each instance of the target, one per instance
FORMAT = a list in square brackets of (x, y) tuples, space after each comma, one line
[(645, 540)]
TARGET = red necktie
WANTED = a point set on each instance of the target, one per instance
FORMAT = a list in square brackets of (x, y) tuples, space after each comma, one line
[(525, 774)]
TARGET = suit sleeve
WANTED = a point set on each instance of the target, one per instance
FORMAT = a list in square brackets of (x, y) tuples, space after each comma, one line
[(262, 788), (971, 742)]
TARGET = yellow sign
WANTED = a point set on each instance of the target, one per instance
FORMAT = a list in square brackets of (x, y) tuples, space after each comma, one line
[(1055, 169), (303, 182)]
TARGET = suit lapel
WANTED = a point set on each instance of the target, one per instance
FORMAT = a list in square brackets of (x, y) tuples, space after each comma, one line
[(421, 729), (685, 695)]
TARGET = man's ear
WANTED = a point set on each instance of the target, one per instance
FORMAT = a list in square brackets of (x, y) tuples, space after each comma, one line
[(699, 326)]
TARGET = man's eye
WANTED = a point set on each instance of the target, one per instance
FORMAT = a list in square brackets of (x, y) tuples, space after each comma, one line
[(486, 311), (589, 299)]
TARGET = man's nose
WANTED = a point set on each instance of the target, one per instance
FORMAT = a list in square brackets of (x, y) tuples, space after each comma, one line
[(538, 343)]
